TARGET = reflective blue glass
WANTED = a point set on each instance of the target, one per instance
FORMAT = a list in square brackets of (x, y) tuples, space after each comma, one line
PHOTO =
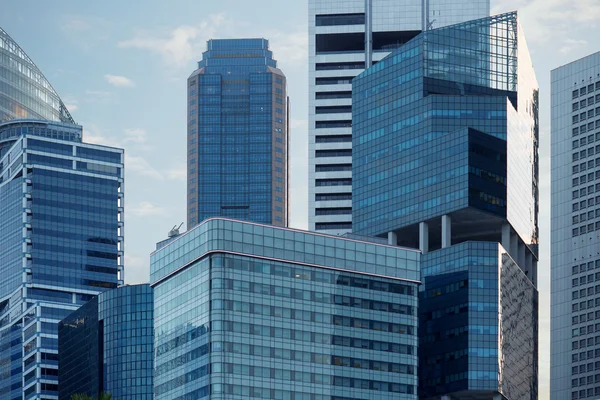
[(107, 345), (61, 242), (237, 134), (24, 91), (445, 159), (441, 125), (253, 311)]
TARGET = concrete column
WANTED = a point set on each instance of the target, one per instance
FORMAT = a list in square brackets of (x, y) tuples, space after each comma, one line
[(521, 254), (424, 237), (514, 246), (446, 231), (368, 33), (528, 262), (506, 237), (392, 238)]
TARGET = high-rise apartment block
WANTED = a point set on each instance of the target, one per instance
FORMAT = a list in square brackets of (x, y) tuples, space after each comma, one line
[(345, 37), (238, 144), (107, 346), (245, 310), (61, 236), (575, 239), (445, 158)]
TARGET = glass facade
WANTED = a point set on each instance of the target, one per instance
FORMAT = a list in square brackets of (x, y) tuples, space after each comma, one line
[(478, 324), (442, 125), (575, 213), (62, 218), (238, 134), (445, 158), (24, 91), (253, 311), (345, 37), (107, 346)]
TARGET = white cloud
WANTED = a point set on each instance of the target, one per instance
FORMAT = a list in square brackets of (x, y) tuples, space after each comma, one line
[(70, 102), (93, 134), (138, 165), (570, 45), (289, 47), (182, 44), (135, 135), (85, 32), (547, 21), (119, 81), (98, 96), (178, 173), (137, 268), (145, 208)]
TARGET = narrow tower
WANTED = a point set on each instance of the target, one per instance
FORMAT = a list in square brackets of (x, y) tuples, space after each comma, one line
[(238, 142), (575, 233)]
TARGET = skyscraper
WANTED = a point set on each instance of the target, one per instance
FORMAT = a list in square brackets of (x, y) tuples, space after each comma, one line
[(445, 158), (345, 37), (61, 242), (238, 145), (107, 346), (24, 91), (575, 239), (245, 310)]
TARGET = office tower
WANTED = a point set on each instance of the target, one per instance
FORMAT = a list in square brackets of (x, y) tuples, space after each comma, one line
[(61, 243), (107, 346), (238, 116), (575, 246), (445, 158), (344, 38), (24, 91), (244, 310)]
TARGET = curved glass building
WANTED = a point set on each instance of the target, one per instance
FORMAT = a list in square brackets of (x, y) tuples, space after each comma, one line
[(24, 91), (106, 345)]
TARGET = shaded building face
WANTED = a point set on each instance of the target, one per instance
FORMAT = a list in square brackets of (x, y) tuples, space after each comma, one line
[(61, 242), (445, 158), (107, 346), (478, 325), (238, 115), (260, 311)]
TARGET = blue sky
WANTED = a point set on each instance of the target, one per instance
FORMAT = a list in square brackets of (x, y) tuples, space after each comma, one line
[(121, 67)]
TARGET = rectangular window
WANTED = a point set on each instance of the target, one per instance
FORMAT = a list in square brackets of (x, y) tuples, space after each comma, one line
[(340, 19)]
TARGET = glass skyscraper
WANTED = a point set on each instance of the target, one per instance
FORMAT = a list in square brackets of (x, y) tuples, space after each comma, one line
[(24, 91), (61, 240), (445, 158), (61, 243), (575, 257), (345, 37), (244, 310), (238, 144), (107, 346)]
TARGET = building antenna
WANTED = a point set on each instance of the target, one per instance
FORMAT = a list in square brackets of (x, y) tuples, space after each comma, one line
[(175, 230)]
